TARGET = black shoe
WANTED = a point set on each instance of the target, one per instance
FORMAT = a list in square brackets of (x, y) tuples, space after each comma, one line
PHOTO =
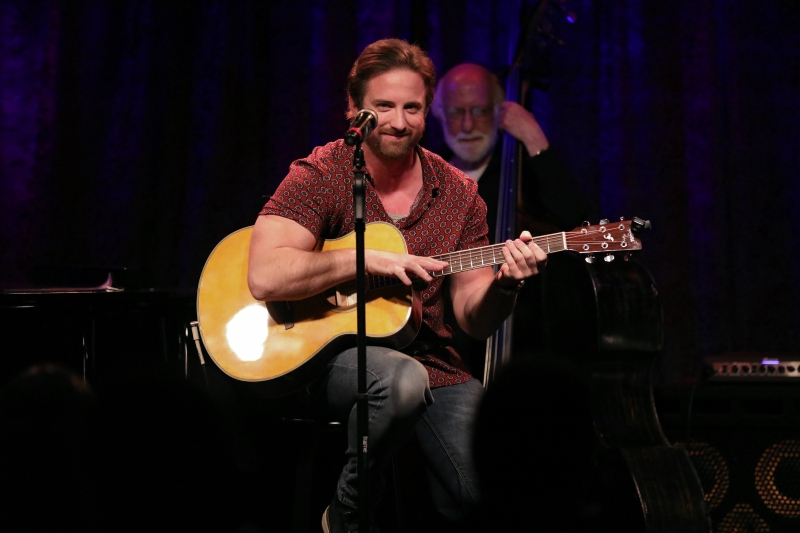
[(339, 518)]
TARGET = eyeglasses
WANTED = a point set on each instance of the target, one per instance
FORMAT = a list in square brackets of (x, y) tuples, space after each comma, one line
[(477, 113)]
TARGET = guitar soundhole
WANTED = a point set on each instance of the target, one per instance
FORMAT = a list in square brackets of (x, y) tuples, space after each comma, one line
[(342, 296)]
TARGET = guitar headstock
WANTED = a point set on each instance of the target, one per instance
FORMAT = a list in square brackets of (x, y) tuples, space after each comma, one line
[(606, 238)]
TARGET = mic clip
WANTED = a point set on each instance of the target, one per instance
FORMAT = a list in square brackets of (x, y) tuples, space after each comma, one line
[(364, 122)]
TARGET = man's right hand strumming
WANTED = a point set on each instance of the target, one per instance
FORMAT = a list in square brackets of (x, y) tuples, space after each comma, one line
[(404, 267), (285, 266)]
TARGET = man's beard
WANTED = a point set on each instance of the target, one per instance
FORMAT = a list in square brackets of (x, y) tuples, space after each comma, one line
[(394, 149), (473, 151)]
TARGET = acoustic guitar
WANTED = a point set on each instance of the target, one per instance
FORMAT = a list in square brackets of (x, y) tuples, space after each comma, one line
[(285, 345)]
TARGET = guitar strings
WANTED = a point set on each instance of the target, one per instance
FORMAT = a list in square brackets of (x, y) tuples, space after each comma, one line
[(491, 255)]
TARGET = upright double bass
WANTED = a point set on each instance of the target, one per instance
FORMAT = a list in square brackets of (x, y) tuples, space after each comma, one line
[(521, 56), (605, 316)]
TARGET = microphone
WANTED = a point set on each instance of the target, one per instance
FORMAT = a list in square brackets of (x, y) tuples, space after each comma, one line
[(364, 122)]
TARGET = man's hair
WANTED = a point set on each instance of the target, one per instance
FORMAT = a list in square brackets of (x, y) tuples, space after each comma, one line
[(497, 91), (383, 56)]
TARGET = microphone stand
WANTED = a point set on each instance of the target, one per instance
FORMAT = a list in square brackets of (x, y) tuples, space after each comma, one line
[(359, 201)]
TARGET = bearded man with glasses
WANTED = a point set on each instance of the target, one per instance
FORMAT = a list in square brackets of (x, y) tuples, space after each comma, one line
[(471, 107)]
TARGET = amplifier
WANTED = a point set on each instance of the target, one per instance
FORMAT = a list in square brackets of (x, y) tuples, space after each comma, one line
[(742, 434), (743, 366)]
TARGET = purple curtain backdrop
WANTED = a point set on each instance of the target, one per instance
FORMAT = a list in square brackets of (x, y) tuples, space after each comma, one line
[(140, 133)]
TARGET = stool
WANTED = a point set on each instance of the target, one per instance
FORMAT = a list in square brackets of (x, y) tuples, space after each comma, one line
[(306, 516), (305, 419)]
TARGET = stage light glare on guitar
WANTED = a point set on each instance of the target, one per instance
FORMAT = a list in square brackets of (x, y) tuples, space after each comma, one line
[(247, 331)]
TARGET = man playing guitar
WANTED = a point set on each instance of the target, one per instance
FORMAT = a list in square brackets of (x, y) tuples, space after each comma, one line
[(425, 391)]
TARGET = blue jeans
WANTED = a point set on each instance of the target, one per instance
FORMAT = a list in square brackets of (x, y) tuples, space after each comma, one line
[(402, 405)]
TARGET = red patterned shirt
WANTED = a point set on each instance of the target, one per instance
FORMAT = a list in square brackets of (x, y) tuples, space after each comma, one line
[(447, 216)]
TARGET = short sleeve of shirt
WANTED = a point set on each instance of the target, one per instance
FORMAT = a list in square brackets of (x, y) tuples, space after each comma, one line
[(306, 195)]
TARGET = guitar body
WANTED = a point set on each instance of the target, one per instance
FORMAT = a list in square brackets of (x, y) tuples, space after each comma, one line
[(285, 345)]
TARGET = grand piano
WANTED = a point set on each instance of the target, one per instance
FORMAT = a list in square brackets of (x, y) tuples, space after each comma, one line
[(93, 322)]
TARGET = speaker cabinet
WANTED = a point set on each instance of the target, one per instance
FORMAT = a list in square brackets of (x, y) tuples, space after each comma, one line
[(744, 442)]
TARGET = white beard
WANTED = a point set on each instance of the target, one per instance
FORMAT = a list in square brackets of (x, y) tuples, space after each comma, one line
[(473, 151)]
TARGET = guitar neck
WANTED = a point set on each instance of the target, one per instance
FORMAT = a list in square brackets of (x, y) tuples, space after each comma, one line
[(493, 254), (476, 258), (607, 238)]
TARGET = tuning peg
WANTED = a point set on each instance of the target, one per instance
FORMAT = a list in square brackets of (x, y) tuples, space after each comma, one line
[(586, 223), (609, 258), (589, 258), (603, 221), (637, 224), (626, 256)]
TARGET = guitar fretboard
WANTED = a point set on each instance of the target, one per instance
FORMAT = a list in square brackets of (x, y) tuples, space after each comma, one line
[(477, 258), (493, 254)]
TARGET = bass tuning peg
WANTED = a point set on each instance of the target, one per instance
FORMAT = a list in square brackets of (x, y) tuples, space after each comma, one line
[(569, 15)]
